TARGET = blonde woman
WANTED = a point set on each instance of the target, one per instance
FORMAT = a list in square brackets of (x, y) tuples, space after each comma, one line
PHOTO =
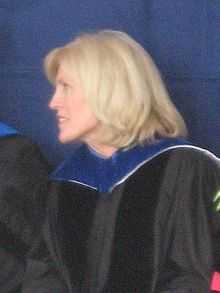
[(131, 210)]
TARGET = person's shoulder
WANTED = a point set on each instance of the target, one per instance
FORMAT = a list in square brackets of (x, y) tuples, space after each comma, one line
[(17, 144), (10, 136), (16, 139), (177, 154), (20, 150), (193, 154), (193, 161)]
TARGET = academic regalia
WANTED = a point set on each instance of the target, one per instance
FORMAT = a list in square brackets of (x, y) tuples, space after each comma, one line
[(144, 220), (23, 186)]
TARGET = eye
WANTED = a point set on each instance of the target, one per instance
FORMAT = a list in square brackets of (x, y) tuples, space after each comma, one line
[(64, 85)]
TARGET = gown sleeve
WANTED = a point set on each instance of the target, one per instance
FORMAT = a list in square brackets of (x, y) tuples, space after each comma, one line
[(43, 272), (194, 244), (42, 276), (23, 185)]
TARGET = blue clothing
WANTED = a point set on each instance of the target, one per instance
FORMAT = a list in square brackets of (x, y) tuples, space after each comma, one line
[(88, 168), (6, 130)]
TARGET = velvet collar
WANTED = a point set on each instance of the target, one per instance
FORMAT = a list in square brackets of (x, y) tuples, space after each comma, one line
[(6, 130), (88, 168)]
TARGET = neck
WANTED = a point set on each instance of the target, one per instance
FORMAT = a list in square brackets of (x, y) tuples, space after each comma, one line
[(103, 150)]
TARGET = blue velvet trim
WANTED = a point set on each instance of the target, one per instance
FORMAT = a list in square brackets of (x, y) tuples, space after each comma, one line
[(90, 169), (6, 130)]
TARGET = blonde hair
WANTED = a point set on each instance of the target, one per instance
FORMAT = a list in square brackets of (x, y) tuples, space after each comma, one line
[(122, 85)]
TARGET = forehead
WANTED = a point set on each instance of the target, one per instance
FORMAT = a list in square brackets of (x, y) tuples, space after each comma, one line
[(66, 73)]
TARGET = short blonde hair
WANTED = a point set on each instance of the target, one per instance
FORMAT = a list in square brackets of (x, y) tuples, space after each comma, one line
[(122, 85)]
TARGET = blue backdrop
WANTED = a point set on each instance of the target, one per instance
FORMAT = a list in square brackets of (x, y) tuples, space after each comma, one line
[(182, 36)]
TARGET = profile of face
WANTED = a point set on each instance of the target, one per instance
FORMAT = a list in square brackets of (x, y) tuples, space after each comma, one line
[(74, 117)]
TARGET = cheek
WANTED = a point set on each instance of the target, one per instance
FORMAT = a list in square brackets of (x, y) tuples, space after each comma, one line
[(79, 113), (79, 110), (84, 121), (76, 113)]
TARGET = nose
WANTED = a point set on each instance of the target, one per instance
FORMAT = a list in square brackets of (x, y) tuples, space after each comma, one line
[(55, 101)]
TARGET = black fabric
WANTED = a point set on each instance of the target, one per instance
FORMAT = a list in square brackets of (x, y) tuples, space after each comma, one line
[(166, 227), (101, 237), (49, 282), (23, 190)]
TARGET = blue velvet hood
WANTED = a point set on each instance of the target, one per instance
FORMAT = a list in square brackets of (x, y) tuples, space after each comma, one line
[(88, 168)]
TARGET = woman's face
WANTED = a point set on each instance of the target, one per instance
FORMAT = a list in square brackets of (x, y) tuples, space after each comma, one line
[(74, 118)]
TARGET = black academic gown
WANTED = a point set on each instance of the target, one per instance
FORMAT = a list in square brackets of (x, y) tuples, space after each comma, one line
[(23, 186), (166, 230)]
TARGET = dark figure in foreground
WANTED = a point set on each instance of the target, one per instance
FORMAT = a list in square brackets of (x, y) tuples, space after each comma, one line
[(23, 185), (135, 209)]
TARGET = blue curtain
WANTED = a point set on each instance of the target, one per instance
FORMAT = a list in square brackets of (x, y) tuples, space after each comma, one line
[(182, 36)]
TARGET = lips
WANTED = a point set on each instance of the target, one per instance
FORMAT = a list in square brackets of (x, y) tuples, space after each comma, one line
[(61, 119)]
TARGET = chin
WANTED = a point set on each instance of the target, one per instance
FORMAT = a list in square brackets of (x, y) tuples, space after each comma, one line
[(67, 137), (64, 139), (61, 140)]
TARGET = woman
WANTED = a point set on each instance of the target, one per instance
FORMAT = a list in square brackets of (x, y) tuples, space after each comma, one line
[(132, 209)]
